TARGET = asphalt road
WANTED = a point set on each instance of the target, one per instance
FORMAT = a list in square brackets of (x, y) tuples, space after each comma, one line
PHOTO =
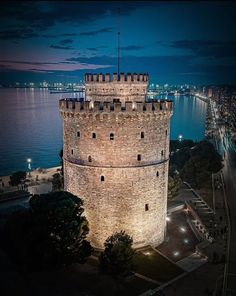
[(229, 174)]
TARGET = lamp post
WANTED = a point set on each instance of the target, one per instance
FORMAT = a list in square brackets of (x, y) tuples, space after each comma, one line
[(180, 138), (29, 160)]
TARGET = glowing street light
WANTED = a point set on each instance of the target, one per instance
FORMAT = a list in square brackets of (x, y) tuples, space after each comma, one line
[(186, 241), (29, 160), (180, 138), (147, 253), (176, 253), (168, 219), (182, 229)]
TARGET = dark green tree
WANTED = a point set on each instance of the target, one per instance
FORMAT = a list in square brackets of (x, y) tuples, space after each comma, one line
[(57, 182), (51, 234), (17, 178), (174, 183), (61, 157), (117, 257), (204, 161)]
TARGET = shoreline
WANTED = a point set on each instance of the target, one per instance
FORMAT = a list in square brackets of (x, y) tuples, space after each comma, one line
[(40, 174)]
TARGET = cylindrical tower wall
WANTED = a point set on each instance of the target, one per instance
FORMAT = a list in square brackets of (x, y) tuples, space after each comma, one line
[(131, 199), (117, 161)]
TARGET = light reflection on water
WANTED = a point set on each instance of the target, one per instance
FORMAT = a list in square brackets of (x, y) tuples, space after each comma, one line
[(30, 126)]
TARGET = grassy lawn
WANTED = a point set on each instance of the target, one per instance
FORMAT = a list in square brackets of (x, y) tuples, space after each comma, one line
[(151, 264), (136, 286)]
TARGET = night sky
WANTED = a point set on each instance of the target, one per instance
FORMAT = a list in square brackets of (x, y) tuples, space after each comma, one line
[(176, 42)]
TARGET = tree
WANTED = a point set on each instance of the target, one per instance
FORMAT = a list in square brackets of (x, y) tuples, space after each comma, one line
[(174, 183), (57, 182), (61, 157), (17, 177), (204, 161), (117, 258), (51, 234)]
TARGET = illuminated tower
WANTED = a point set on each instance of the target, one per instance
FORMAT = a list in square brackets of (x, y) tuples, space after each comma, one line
[(116, 155)]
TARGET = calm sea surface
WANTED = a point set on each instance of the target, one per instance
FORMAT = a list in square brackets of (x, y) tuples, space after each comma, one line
[(30, 126)]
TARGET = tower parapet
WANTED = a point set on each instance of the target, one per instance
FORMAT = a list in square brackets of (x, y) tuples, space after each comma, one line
[(129, 77), (126, 87), (74, 106)]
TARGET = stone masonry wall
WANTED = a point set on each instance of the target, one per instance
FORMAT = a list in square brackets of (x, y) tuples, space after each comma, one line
[(133, 194), (119, 202), (131, 87)]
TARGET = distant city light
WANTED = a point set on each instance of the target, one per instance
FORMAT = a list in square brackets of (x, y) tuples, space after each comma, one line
[(182, 229), (176, 253), (168, 219), (186, 241)]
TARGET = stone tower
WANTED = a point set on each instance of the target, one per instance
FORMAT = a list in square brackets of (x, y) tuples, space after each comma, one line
[(116, 154)]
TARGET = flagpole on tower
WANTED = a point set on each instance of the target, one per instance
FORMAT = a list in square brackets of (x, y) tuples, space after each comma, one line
[(118, 41)]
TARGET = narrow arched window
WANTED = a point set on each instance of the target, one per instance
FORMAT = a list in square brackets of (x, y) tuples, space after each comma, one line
[(146, 207), (157, 174), (139, 157), (94, 135), (90, 158), (166, 132), (102, 178), (112, 136), (72, 151), (78, 134), (142, 135), (162, 153)]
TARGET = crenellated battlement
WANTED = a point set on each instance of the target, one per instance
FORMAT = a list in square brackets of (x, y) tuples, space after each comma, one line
[(72, 105), (122, 77)]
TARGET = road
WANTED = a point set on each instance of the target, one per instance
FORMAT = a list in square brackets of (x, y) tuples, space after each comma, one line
[(228, 150), (229, 175)]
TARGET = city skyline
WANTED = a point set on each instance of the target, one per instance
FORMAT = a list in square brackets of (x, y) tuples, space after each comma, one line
[(176, 42)]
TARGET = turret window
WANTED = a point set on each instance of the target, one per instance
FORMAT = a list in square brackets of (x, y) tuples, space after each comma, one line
[(94, 135), (142, 135), (78, 134), (72, 151), (162, 153), (102, 178), (157, 174), (139, 157), (112, 136), (146, 207), (90, 158)]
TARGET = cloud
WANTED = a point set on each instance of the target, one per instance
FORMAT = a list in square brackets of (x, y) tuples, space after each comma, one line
[(66, 41), (96, 48), (93, 33), (45, 66), (207, 48), (131, 47), (17, 34), (61, 47), (40, 15), (57, 35)]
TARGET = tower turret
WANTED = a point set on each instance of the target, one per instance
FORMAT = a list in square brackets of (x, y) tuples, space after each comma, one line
[(125, 87)]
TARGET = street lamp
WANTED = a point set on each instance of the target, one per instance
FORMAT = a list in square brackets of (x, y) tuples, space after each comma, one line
[(180, 138), (29, 160)]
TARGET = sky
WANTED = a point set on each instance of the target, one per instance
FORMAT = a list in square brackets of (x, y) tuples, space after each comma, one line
[(176, 42)]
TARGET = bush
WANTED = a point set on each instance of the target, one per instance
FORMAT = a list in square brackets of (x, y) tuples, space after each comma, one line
[(117, 258)]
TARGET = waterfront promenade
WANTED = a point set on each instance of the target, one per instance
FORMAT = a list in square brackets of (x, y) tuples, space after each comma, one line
[(228, 150)]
